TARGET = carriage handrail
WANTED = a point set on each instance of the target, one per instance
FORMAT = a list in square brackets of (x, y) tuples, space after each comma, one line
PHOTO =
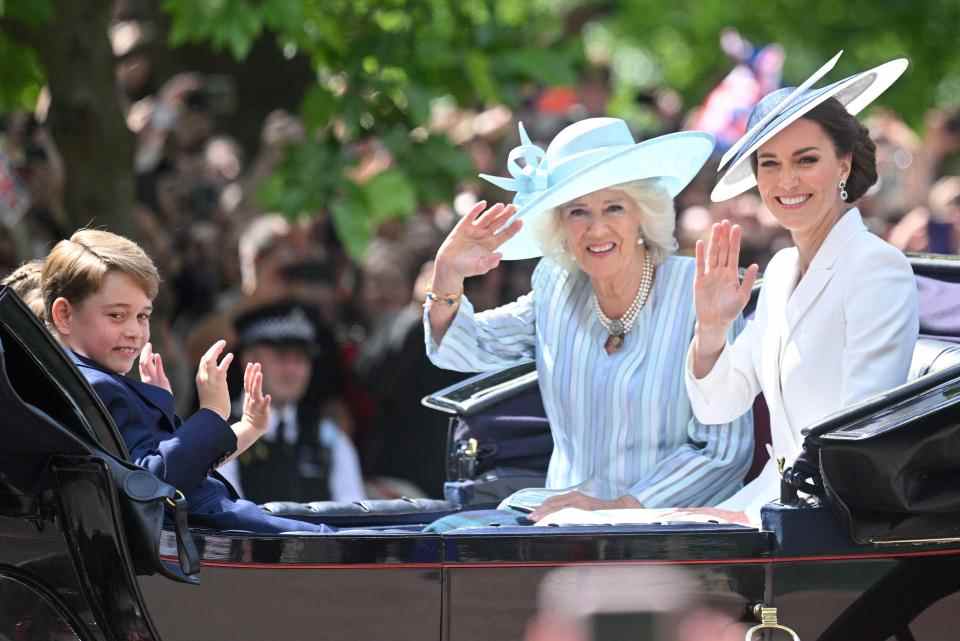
[(927, 394), (483, 390)]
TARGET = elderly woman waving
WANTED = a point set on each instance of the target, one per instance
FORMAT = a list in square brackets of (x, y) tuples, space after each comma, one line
[(608, 319)]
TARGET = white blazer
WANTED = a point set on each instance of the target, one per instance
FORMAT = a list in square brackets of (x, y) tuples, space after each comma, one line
[(846, 331)]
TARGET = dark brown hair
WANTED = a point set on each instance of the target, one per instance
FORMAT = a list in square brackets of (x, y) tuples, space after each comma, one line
[(848, 137)]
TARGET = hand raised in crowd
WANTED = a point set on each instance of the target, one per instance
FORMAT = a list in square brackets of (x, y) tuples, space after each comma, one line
[(470, 249), (174, 91), (942, 136), (151, 369), (281, 129), (718, 292), (212, 380)]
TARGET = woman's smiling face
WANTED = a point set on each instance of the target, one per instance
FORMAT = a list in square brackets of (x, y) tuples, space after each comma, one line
[(798, 173), (601, 230)]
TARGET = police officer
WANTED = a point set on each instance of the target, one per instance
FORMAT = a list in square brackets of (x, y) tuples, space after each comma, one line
[(303, 456)]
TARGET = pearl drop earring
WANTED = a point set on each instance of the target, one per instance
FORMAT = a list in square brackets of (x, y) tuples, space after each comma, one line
[(640, 241)]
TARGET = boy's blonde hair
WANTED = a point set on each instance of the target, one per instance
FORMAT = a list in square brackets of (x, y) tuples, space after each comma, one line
[(27, 282), (75, 268)]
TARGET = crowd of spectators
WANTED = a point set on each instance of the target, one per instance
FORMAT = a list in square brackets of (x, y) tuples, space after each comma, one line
[(221, 255)]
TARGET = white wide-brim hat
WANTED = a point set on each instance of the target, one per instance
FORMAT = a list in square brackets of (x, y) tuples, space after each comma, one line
[(589, 155), (778, 109)]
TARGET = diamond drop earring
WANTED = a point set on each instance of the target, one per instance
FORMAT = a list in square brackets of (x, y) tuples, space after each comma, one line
[(843, 189)]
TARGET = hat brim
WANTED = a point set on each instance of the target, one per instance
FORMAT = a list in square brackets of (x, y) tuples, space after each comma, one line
[(854, 93), (674, 159)]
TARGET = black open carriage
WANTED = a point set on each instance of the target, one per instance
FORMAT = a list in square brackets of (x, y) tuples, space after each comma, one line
[(71, 568)]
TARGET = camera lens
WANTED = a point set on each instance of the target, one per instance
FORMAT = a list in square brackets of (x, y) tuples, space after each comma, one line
[(197, 100), (34, 153)]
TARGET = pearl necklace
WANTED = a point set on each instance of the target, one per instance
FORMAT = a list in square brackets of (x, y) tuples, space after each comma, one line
[(619, 327)]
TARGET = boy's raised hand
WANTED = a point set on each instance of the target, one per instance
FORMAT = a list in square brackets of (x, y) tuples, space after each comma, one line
[(256, 410), (151, 369), (256, 404), (212, 380)]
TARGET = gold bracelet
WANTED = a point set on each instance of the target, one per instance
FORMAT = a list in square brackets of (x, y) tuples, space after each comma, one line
[(449, 299)]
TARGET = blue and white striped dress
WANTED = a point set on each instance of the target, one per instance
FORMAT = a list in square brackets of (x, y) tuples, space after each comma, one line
[(621, 423)]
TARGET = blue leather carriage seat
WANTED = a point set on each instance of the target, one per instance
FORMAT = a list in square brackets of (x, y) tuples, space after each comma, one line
[(364, 514), (939, 345)]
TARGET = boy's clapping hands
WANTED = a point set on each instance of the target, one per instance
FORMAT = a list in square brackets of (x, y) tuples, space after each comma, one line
[(256, 410), (215, 396), (151, 368), (256, 404)]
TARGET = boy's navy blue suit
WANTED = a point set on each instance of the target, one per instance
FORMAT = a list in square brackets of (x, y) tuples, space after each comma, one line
[(182, 453)]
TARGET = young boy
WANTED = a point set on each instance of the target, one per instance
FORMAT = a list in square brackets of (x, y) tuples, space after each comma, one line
[(98, 291)]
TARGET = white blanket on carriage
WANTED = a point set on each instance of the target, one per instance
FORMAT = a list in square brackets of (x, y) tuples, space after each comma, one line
[(638, 516)]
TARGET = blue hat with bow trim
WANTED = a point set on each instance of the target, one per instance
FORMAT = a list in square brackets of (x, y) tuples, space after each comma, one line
[(589, 155), (778, 109)]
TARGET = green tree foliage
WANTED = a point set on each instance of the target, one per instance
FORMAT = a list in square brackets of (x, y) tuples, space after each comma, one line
[(381, 63), (21, 75), (64, 44), (677, 43), (379, 66)]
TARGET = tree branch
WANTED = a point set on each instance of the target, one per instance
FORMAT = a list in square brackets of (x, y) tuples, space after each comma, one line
[(20, 31)]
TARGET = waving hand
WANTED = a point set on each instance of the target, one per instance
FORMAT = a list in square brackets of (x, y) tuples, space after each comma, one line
[(718, 293), (471, 247)]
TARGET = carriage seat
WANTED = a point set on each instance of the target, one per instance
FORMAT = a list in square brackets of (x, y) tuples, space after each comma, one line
[(932, 355), (386, 512)]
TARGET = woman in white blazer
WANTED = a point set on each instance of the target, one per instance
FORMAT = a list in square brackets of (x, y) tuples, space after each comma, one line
[(836, 321)]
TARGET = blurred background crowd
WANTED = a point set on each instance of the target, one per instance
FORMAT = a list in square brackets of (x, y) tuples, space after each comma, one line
[(261, 174)]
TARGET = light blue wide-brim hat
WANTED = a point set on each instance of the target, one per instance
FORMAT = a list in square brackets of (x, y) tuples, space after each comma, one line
[(589, 155), (778, 109)]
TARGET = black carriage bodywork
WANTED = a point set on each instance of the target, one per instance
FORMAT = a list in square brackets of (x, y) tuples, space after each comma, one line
[(66, 569)]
